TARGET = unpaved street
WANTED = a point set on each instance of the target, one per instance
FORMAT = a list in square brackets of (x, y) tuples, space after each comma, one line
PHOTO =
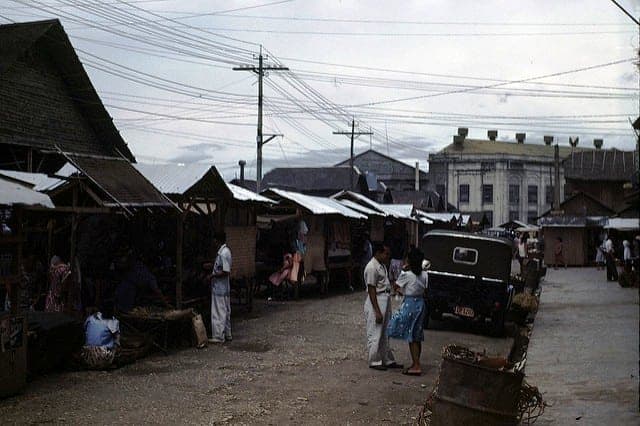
[(583, 352), (290, 362)]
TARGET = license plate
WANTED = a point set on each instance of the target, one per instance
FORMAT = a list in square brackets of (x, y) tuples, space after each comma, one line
[(463, 311)]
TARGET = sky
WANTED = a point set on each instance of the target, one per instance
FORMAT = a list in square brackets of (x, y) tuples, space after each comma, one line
[(410, 74)]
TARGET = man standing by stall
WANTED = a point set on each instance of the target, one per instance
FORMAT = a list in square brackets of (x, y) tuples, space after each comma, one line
[(220, 291), (377, 309)]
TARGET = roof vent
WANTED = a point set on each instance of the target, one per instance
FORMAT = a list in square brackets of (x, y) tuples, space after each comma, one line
[(520, 137), (242, 163), (573, 142), (463, 131), (492, 135), (548, 140), (598, 143), (457, 140)]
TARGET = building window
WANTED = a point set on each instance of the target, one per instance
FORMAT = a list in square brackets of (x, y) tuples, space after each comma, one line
[(532, 216), (514, 215), (440, 189), (487, 194), (487, 165), (548, 196), (514, 194), (532, 194), (463, 193)]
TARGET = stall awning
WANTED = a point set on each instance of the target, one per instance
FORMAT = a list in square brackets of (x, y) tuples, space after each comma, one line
[(317, 205), (120, 181), (13, 193)]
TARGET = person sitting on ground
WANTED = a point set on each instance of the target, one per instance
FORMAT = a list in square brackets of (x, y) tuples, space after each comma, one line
[(406, 323), (102, 339)]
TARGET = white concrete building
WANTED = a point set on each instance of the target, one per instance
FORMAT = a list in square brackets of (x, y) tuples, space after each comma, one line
[(502, 180)]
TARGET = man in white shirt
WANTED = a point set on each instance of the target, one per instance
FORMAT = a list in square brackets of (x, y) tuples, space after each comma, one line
[(220, 291), (377, 309)]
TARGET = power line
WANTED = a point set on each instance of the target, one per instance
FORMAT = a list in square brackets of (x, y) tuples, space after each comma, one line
[(398, 34), (626, 12)]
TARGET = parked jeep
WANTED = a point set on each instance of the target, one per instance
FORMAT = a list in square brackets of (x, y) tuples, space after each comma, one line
[(469, 277)]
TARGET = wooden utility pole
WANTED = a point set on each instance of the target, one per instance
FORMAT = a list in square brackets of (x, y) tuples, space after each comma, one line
[(353, 133), (259, 138)]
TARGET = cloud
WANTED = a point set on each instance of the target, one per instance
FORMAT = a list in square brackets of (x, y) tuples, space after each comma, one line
[(628, 77)]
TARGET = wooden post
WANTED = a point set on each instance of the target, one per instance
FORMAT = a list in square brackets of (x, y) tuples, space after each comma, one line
[(50, 226), (179, 239), (74, 226)]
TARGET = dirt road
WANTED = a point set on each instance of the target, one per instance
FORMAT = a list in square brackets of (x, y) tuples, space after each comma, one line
[(290, 362)]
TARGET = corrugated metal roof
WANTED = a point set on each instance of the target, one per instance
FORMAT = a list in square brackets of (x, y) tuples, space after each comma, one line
[(241, 194), (601, 165), (399, 213), (443, 217), (311, 178), (623, 224), (404, 210), (37, 181), (529, 149), (173, 178), (13, 193), (360, 208), (317, 205)]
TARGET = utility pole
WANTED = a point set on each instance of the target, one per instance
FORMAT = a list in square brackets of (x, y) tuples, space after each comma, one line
[(353, 133), (260, 137)]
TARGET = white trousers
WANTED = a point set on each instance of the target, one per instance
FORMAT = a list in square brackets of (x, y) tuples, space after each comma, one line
[(220, 310), (377, 340)]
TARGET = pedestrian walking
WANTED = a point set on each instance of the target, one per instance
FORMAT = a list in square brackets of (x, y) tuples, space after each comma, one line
[(407, 323), (558, 254), (627, 256), (522, 252), (600, 257), (377, 309), (612, 270), (220, 291)]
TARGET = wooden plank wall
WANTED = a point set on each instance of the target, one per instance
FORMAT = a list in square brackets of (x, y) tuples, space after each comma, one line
[(574, 245)]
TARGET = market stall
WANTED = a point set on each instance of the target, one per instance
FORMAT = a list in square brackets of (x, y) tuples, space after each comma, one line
[(319, 237), (14, 198), (208, 204)]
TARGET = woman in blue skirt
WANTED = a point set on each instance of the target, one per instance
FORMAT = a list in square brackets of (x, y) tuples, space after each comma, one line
[(406, 323)]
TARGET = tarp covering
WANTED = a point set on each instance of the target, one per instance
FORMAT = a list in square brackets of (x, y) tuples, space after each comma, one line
[(13, 193)]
